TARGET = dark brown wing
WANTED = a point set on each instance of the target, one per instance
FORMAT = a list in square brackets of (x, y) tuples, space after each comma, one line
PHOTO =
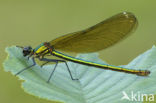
[(99, 36)]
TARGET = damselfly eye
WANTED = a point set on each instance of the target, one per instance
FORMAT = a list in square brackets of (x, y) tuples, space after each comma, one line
[(27, 50)]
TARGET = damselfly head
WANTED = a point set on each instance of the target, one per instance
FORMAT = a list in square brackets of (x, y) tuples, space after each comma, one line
[(27, 50)]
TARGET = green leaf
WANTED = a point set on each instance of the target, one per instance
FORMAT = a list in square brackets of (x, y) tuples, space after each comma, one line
[(94, 85)]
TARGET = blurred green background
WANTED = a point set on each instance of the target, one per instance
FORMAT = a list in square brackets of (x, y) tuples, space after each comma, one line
[(30, 22)]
